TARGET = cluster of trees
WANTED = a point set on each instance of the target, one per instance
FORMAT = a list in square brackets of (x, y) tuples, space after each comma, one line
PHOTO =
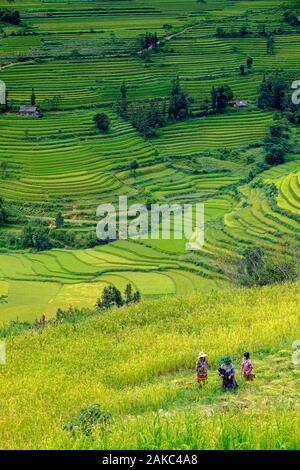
[(180, 102), (149, 41), (102, 121), (241, 33), (221, 98), (272, 92), (9, 16), (277, 142), (39, 236), (112, 297), (270, 44), (258, 268), (248, 68), (291, 17), (146, 117)]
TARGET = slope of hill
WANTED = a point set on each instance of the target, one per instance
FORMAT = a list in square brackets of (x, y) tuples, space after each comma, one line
[(138, 364), (75, 55)]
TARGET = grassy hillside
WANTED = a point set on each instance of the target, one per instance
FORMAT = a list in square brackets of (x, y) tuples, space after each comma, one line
[(138, 364)]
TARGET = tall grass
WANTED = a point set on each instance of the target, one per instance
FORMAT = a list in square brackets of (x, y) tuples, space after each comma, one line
[(138, 364)]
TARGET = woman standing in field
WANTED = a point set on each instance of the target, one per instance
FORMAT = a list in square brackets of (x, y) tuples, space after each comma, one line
[(247, 367), (227, 372), (202, 368)]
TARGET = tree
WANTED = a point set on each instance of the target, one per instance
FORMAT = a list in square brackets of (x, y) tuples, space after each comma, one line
[(59, 220), (180, 102), (221, 97), (33, 98), (204, 107), (128, 294), (36, 237), (122, 104), (149, 41), (136, 297), (257, 268), (242, 69), (111, 297), (133, 167), (102, 122), (277, 142), (272, 92), (291, 17), (10, 16), (270, 44), (249, 63), (3, 214), (3, 167)]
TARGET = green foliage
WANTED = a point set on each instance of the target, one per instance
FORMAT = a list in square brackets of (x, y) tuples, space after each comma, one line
[(272, 92), (149, 41), (102, 122), (59, 220), (277, 142), (33, 98), (36, 237), (9, 16), (3, 213), (291, 16), (88, 419), (122, 103), (112, 297), (147, 117), (221, 97), (270, 44), (257, 268), (180, 102)]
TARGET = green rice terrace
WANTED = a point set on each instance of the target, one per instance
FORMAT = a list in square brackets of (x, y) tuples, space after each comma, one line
[(70, 60)]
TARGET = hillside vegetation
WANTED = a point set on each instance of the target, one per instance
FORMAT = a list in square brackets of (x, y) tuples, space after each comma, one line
[(137, 363)]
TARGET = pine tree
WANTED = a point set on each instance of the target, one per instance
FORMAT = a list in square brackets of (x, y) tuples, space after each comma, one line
[(33, 98), (249, 63), (179, 106), (221, 97), (128, 294), (136, 297), (270, 44), (122, 104)]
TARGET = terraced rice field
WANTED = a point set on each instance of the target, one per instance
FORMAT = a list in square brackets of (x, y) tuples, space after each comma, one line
[(76, 55)]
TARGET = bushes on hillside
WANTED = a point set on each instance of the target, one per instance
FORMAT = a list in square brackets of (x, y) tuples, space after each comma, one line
[(272, 92), (102, 122), (36, 237), (88, 419), (221, 97), (152, 114), (9, 16), (258, 268), (3, 214), (112, 297), (291, 17), (277, 142)]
